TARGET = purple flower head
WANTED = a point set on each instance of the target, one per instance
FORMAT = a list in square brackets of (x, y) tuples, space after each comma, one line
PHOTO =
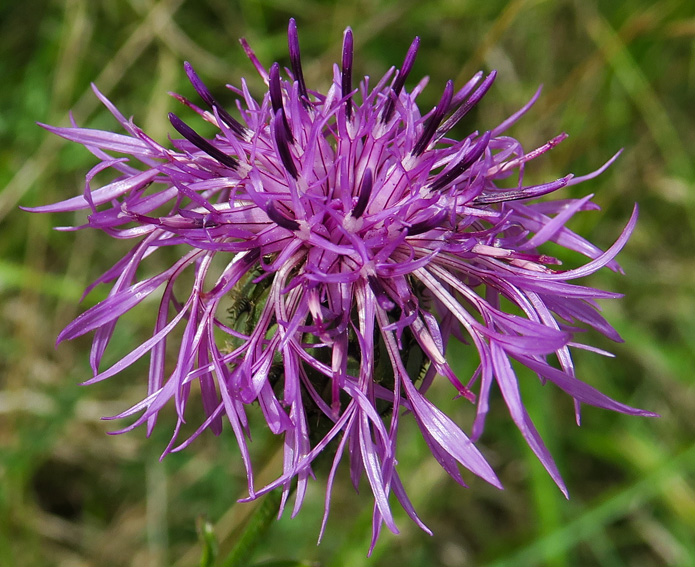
[(333, 244)]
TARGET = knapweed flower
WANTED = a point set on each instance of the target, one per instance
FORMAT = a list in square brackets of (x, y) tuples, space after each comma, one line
[(332, 247)]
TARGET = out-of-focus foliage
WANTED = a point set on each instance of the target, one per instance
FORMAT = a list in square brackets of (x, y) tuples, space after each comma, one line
[(619, 74)]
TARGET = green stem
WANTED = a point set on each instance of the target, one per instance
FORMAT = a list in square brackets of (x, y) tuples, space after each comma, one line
[(253, 532)]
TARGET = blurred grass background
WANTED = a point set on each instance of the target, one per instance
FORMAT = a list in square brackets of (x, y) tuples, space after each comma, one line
[(616, 75)]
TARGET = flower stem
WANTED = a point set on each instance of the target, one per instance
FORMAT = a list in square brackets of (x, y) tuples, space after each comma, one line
[(253, 532)]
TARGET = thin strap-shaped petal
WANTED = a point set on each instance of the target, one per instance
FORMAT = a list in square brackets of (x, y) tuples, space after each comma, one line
[(509, 387)]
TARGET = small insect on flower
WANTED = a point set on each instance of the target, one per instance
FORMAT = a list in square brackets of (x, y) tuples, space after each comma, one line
[(353, 240)]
